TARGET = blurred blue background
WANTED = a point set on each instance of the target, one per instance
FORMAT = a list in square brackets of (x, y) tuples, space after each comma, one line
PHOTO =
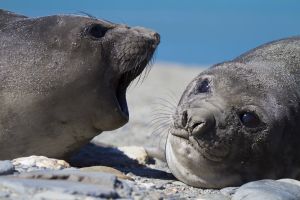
[(193, 32)]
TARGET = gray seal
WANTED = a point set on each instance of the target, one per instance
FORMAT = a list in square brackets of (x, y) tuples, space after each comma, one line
[(239, 120), (63, 80)]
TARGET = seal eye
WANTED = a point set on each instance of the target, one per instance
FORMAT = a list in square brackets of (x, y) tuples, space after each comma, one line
[(204, 86), (96, 31), (250, 119)]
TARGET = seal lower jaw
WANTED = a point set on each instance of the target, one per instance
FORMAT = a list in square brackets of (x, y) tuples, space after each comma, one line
[(128, 65), (209, 150), (120, 114), (193, 168)]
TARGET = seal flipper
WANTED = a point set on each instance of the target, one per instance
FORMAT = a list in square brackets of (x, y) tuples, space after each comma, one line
[(6, 17), (156, 152)]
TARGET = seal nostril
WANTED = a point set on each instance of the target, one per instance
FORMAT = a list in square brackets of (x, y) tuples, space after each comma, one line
[(157, 37), (196, 124), (197, 128), (184, 118)]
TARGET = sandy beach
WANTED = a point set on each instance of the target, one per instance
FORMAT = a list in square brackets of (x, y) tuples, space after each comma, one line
[(151, 103)]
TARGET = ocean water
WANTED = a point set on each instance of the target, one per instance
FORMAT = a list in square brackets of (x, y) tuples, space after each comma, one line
[(192, 32)]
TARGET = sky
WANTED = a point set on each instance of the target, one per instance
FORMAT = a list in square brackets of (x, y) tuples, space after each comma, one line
[(192, 32)]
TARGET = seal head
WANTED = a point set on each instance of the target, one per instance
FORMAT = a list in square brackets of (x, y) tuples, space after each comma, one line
[(63, 79), (239, 120)]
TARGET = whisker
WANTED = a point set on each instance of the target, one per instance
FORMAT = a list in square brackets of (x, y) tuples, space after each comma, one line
[(156, 127), (173, 96), (158, 107), (167, 107), (164, 105), (148, 68), (129, 73), (86, 14), (137, 66), (165, 115), (158, 120), (167, 101), (162, 114), (160, 130), (158, 123)]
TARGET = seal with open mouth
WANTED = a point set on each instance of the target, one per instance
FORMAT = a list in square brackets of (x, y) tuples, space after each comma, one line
[(63, 79), (239, 120)]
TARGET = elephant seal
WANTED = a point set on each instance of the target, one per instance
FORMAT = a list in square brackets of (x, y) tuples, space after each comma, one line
[(63, 80), (239, 120)]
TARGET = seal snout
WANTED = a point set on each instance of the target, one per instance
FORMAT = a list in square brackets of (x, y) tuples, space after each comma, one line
[(197, 121), (152, 36)]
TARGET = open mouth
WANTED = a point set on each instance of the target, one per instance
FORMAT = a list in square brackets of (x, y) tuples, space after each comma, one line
[(125, 80), (133, 62), (121, 95)]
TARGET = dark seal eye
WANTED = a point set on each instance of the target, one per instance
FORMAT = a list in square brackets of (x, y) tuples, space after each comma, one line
[(250, 119), (96, 31), (204, 86)]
